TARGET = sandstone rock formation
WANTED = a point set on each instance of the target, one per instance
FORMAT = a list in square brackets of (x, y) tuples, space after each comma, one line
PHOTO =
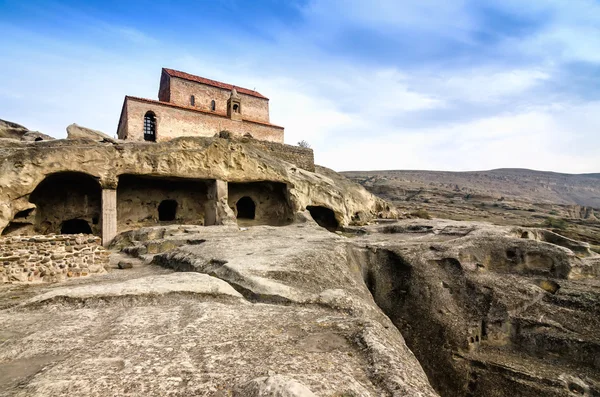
[(10, 130), (48, 181), (75, 131), (296, 310), (267, 301)]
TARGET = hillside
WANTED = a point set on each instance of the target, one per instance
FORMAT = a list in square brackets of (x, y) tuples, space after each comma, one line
[(521, 197), (519, 184)]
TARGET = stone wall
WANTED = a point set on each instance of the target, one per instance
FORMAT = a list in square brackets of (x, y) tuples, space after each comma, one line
[(173, 121), (302, 157), (180, 91), (50, 258)]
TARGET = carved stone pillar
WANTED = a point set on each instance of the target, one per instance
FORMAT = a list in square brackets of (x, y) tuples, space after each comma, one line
[(109, 215)]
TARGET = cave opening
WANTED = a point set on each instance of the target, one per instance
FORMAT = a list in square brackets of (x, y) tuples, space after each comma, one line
[(144, 200), (64, 197), (260, 203), (325, 217), (246, 208), (75, 226), (167, 210)]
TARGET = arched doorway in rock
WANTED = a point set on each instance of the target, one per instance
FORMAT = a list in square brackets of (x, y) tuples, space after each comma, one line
[(325, 217), (246, 208), (75, 226), (260, 203), (66, 196), (167, 210)]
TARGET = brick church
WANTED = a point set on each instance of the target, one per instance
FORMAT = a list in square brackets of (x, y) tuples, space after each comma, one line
[(190, 105)]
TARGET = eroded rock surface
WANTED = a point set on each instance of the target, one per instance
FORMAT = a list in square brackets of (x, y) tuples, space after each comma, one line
[(488, 310), (407, 308), (274, 311), (63, 180)]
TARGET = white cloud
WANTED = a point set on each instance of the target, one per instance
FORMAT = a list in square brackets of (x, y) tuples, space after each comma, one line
[(356, 115), (535, 139), (485, 85)]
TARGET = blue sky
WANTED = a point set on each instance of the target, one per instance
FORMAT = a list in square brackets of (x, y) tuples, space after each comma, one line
[(388, 84)]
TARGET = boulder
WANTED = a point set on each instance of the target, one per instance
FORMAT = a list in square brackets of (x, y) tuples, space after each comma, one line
[(75, 131), (11, 130)]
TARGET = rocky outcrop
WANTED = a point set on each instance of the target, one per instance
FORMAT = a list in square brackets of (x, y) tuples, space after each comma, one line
[(472, 309), (490, 311), (75, 131), (260, 311), (9, 130), (24, 165)]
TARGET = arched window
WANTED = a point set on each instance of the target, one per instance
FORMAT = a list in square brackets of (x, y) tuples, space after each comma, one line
[(192, 101), (150, 127), (236, 108), (213, 105)]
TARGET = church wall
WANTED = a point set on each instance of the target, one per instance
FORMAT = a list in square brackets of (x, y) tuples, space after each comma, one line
[(180, 91), (174, 122)]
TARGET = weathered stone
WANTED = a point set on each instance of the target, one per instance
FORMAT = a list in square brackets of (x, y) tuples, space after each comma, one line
[(273, 386), (124, 265), (75, 131)]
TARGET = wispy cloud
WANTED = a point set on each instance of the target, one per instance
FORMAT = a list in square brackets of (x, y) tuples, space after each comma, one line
[(380, 85)]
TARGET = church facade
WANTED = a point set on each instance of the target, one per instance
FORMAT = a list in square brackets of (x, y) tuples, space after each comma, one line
[(191, 105)]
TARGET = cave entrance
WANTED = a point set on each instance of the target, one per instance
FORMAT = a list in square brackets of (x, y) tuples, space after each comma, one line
[(63, 198), (150, 200), (246, 209), (75, 226), (325, 217), (260, 203), (167, 210)]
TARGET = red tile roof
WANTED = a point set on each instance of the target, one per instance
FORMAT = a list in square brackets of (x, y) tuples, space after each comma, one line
[(195, 109), (214, 83)]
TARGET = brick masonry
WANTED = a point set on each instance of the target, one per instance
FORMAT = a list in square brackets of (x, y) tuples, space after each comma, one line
[(50, 258), (181, 90), (174, 121)]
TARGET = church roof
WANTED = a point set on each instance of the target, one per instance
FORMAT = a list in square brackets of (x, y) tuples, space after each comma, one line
[(213, 83)]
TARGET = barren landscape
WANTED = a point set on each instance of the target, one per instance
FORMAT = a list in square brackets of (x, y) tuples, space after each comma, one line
[(569, 204)]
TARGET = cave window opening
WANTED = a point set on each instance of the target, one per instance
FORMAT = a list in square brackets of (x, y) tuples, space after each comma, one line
[(150, 127), (325, 217), (24, 214), (167, 209), (246, 208), (75, 226), (38, 139)]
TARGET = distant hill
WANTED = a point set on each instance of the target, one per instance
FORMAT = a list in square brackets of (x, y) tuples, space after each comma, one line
[(515, 184)]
